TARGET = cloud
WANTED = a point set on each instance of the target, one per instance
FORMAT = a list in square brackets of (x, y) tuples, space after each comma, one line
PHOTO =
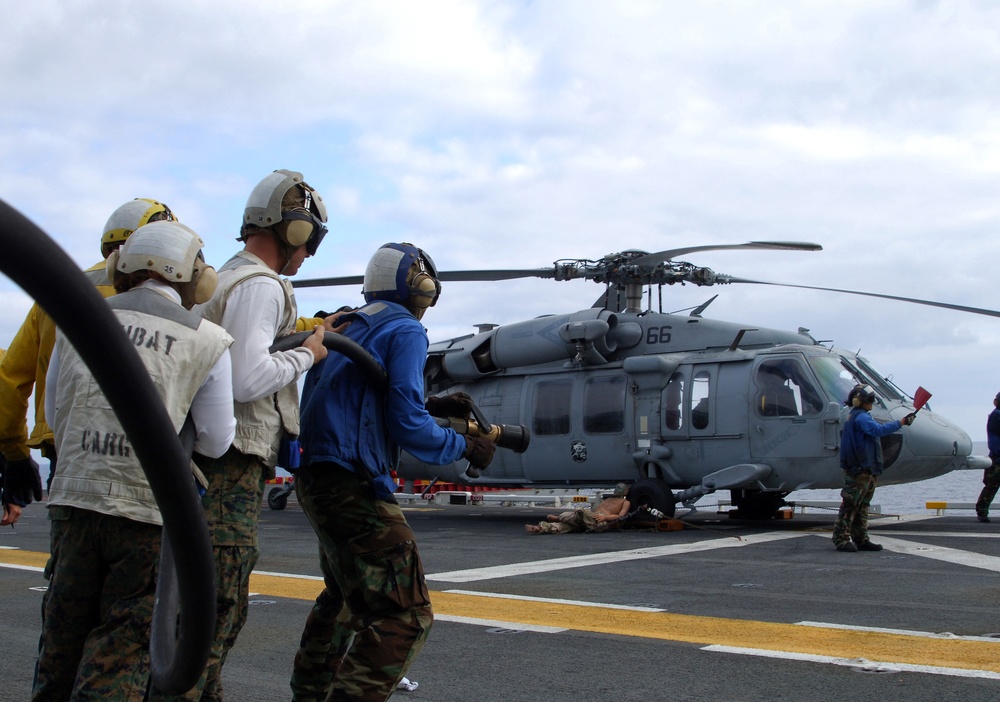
[(508, 135)]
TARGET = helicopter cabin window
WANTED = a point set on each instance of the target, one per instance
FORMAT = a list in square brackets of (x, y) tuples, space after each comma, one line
[(785, 390), (673, 402), (551, 409), (604, 405), (700, 388)]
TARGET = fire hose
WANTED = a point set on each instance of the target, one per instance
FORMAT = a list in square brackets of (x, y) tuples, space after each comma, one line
[(179, 645)]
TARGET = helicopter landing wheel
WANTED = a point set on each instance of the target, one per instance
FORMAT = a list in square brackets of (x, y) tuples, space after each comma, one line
[(653, 493), (277, 498)]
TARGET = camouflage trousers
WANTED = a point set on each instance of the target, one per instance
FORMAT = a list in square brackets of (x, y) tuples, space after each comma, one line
[(574, 520), (991, 482), (852, 520), (97, 610), (232, 505), (374, 614)]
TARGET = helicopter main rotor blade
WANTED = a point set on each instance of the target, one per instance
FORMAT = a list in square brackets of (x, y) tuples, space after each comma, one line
[(670, 254), (914, 300), (324, 282), (497, 274), (443, 276), (592, 269)]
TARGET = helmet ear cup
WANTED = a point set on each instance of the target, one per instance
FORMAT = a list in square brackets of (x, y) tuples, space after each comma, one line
[(111, 265), (201, 287), (862, 395), (297, 232), (423, 291), (206, 281)]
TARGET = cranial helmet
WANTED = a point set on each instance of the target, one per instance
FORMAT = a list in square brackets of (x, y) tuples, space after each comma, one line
[(172, 250), (284, 202), (129, 217), (861, 395), (402, 273)]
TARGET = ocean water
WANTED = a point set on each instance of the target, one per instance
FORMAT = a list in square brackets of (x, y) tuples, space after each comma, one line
[(911, 498)]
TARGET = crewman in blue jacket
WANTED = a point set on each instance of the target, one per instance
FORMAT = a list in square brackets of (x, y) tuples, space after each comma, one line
[(861, 460), (374, 613), (991, 476)]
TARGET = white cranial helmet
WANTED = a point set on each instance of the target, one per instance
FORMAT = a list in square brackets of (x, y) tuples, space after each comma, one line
[(172, 250)]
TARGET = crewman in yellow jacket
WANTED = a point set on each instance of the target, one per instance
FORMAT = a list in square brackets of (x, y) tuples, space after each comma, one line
[(24, 365)]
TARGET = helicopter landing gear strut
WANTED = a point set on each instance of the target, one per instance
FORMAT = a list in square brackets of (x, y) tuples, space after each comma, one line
[(754, 504), (653, 493)]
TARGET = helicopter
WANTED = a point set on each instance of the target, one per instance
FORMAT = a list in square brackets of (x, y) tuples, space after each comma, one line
[(677, 406)]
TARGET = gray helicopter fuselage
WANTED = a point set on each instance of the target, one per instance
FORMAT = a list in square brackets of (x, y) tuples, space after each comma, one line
[(699, 404)]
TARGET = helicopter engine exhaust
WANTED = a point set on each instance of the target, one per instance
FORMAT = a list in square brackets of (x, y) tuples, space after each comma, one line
[(589, 337), (515, 437)]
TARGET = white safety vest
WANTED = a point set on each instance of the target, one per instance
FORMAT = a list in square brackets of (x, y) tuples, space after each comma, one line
[(98, 469), (261, 424)]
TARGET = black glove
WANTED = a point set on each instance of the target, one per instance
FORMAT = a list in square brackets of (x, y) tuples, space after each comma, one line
[(21, 482), (322, 314), (457, 405), (908, 419), (479, 451)]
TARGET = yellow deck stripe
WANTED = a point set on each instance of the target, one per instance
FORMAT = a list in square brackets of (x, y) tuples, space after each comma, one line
[(23, 558), (840, 643)]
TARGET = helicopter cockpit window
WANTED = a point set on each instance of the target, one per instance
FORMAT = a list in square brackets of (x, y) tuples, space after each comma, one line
[(673, 402), (700, 388), (837, 376), (604, 405), (785, 390), (884, 386), (551, 408)]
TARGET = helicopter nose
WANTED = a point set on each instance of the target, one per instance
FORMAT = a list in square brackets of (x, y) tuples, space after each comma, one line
[(932, 435)]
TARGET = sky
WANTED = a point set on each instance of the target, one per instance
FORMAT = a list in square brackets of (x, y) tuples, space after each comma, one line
[(513, 134)]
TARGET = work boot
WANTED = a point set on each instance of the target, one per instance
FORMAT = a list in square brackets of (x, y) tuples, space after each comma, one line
[(847, 547), (868, 546), (983, 518)]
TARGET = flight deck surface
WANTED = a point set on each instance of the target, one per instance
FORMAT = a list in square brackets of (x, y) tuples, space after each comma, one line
[(723, 609)]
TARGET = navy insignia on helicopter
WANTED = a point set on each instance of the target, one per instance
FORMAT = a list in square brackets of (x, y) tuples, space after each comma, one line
[(578, 451)]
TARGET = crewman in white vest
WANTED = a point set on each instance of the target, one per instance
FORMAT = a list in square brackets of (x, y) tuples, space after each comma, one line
[(105, 524), (283, 224)]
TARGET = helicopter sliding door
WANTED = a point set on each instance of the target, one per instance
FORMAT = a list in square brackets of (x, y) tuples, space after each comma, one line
[(704, 420), (578, 429), (786, 416)]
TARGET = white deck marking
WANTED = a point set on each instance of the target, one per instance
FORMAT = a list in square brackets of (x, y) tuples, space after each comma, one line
[(577, 603), (899, 519), (879, 666), (529, 567), (515, 626), (941, 553), (22, 567), (944, 534)]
